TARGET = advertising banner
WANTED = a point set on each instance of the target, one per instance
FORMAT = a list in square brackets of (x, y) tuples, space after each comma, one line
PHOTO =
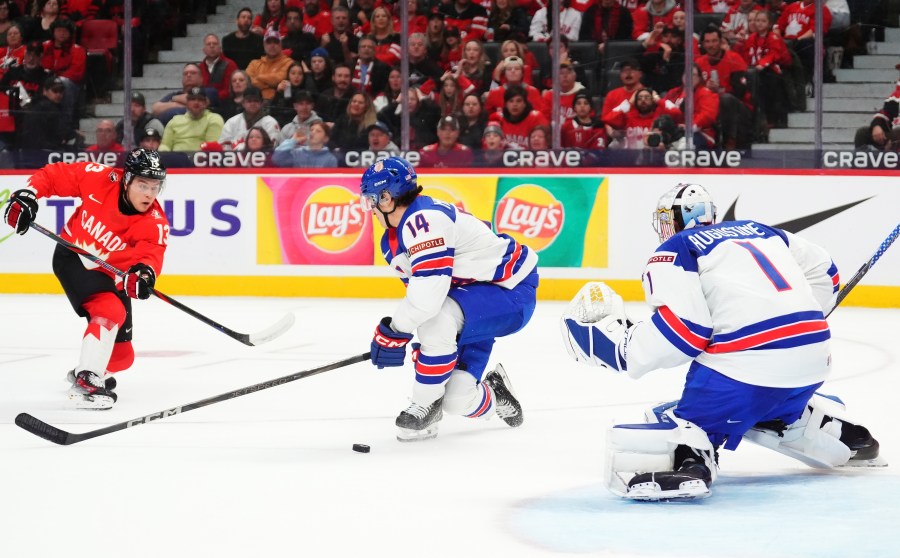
[(563, 218), (318, 220)]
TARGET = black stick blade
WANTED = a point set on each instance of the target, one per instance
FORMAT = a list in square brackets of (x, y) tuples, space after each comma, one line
[(42, 429)]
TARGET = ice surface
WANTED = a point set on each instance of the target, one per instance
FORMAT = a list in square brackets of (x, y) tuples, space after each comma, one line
[(273, 474)]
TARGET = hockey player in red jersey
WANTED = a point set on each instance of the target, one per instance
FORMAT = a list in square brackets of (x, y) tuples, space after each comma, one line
[(120, 221)]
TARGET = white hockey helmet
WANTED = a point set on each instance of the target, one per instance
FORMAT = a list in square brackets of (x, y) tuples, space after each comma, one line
[(683, 207)]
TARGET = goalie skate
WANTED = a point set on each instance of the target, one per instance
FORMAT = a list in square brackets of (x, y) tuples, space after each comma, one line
[(507, 407), (110, 381), (690, 482), (89, 392), (418, 423)]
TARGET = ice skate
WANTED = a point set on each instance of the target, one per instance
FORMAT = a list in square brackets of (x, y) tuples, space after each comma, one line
[(507, 406), (418, 423), (864, 447), (691, 481), (110, 381), (89, 392)]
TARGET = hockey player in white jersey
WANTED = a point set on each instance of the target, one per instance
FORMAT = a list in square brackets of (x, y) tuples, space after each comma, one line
[(745, 304), (466, 286)]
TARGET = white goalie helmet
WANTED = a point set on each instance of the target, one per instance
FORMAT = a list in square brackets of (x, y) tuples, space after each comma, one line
[(683, 207)]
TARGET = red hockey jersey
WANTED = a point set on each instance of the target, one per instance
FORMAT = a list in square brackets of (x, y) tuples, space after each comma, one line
[(97, 226)]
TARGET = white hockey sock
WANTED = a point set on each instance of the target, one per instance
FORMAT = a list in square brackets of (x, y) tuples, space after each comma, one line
[(97, 345)]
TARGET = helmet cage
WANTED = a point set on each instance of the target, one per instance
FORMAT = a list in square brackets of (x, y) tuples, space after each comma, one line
[(683, 207)]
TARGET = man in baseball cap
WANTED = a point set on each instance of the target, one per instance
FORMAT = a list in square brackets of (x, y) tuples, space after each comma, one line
[(271, 69), (447, 152), (150, 139)]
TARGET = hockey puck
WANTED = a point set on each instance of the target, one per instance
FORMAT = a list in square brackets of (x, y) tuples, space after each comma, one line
[(361, 448)]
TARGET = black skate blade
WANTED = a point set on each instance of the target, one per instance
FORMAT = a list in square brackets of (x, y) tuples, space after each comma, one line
[(42, 429)]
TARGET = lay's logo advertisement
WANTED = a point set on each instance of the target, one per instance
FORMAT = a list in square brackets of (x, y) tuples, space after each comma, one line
[(317, 220), (564, 219), (531, 215), (312, 220), (332, 219)]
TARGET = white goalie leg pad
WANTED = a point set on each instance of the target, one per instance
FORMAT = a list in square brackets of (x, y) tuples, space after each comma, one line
[(807, 439), (650, 448)]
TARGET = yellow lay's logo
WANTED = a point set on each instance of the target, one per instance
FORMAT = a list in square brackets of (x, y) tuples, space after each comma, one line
[(531, 215), (332, 219)]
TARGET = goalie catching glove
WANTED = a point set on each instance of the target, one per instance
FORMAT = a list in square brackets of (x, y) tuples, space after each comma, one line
[(21, 210), (595, 328), (139, 281), (389, 346)]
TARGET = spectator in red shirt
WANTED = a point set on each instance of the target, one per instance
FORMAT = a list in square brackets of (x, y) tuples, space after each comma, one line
[(271, 17), (14, 52), (736, 25), (768, 54), (725, 73), (582, 130), (568, 89), (470, 18), (630, 75), (514, 72), (648, 15), (387, 42), (106, 138), (447, 152), (518, 117), (706, 111), (316, 20), (796, 25), (68, 61), (632, 119), (606, 20), (215, 67)]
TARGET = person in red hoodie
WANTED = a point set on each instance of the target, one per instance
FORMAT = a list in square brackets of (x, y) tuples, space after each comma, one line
[(514, 72), (768, 54), (68, 61), (706, 110), (517, 118), (633, 118)]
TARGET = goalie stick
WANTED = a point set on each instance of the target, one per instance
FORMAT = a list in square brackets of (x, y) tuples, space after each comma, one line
[(251, 339), (861, 272), (63, 438)]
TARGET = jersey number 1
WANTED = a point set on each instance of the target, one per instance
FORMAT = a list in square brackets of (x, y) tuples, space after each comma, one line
[(767, 267)]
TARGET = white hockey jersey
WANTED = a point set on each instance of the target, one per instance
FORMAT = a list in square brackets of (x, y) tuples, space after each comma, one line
[(742, 298), (437, 246)]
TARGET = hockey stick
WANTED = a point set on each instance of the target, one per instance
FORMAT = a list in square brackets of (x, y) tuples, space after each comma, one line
[(251, 339), (63, 438), (865, 268)]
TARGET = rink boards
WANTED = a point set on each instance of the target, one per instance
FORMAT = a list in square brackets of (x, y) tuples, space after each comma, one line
[(290, 234)]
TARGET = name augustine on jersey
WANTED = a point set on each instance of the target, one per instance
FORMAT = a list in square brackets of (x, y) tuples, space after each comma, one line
[(104, 237), (705, 238)]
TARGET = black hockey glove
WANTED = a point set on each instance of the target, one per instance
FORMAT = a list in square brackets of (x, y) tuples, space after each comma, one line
[(21, 210), (139, 281)]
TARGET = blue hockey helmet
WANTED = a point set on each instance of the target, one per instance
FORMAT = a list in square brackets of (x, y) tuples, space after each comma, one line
[(393, 175), (683, 207)]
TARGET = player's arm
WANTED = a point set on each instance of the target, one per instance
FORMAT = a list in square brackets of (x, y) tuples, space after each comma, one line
[(430, 242), (677, 332), (820, 271), (62, 179)]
